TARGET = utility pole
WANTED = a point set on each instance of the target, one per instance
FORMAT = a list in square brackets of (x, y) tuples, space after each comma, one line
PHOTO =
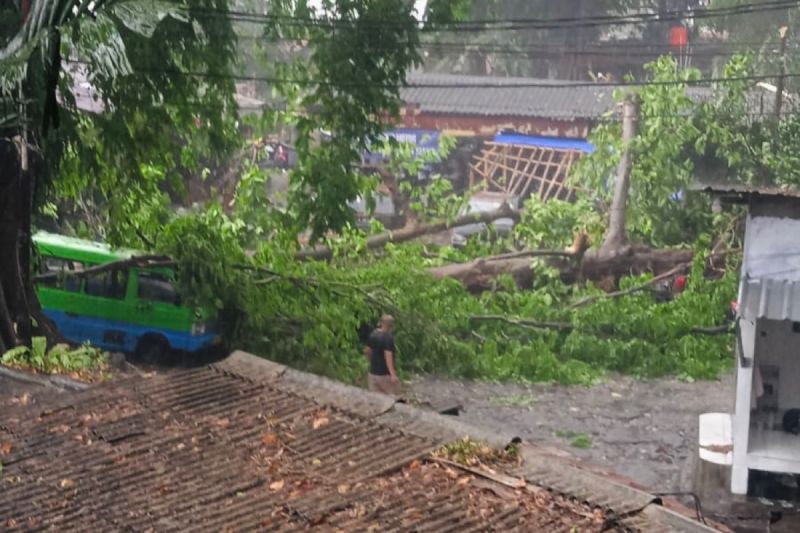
[(784, 33), (616, 236)]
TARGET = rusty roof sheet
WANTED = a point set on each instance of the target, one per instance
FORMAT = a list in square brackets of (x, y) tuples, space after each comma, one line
[(246, 444)]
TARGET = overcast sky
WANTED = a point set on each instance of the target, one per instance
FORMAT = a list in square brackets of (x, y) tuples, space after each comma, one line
[(419, 6)]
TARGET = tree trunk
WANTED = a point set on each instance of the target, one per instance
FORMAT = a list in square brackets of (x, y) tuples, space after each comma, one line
[(481, 274), (616, 236), (19, 306), (414, 232), (11, 304)]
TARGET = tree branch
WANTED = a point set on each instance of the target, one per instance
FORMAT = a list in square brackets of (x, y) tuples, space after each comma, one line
[(661, 277), (606, 329), (560, 326), (141, 261)]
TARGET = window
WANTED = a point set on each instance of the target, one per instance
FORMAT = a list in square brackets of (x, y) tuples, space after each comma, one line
[(156, 288), (109, 284), (53, 265)]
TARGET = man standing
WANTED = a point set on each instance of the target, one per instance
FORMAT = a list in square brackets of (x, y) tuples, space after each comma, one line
[(380, 352)]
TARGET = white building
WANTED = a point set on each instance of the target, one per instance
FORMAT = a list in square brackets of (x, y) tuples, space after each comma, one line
[(760, 435)]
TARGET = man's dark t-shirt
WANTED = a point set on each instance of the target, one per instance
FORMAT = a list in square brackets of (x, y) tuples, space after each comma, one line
[(379, 342)]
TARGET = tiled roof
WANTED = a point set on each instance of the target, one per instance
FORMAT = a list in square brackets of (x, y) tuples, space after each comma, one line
[(499, 97), (563, 100)]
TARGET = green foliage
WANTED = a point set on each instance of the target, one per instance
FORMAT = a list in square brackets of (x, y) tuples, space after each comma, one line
[(426, 202), (360, 54), (781, 153), (553, 224), (307, 314), (59, 359), (143, 60), (662, 168)]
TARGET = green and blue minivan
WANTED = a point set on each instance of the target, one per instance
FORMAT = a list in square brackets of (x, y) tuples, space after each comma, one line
[(133, 310)]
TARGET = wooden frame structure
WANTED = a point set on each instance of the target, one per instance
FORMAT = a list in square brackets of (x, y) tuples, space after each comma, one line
[(524, 170)]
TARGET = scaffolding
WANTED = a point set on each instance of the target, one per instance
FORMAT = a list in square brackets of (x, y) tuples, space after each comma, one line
[(524, 170)]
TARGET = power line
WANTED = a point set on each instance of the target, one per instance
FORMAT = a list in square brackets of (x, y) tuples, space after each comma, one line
[(508, 24), (603, 45), (602, 118), (695, 50), (589, 52), (497, 84)]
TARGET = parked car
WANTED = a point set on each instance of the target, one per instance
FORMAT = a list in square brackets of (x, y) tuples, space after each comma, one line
[(485, 202)]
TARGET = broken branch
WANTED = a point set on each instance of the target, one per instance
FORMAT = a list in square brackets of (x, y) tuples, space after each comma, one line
[(508, 481), (639, 288), (141, 261)]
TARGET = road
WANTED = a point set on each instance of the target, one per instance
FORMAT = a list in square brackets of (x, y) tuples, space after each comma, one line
[(643, 430)]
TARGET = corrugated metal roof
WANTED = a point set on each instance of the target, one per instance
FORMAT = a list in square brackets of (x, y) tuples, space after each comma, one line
[(250, 445), (770, 299)]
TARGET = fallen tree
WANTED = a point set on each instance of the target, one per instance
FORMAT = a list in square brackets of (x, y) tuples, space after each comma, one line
[(480, 274), (596, 329), (412, 232)]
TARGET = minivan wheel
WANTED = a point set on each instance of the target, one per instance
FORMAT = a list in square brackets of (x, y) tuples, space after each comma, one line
[(153, 350)]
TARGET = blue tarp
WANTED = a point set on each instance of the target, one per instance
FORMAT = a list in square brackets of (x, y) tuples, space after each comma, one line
[(546, 142)]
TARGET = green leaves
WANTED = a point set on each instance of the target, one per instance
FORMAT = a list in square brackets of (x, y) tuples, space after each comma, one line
[(60, 359), (144, 16), (360, 54)]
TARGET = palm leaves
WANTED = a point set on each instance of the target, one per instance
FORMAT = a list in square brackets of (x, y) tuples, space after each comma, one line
[(44, 16), (99, 41)]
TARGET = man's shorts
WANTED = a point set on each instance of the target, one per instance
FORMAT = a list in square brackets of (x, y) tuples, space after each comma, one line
[(382, 384)]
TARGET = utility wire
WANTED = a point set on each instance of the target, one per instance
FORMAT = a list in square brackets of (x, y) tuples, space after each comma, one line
[(271, 107), (696, 50), (504, 25), (494, 83)]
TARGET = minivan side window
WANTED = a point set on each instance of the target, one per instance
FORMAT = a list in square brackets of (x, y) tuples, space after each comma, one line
[(109, 284), (156, 288), (51, 265)]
